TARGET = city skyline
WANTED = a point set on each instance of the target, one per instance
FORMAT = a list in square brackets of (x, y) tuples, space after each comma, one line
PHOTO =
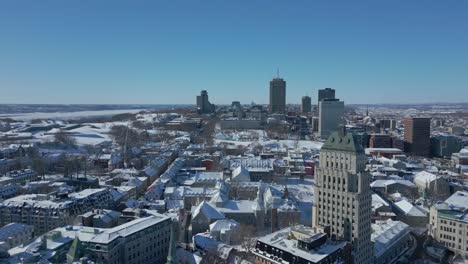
[(122, 52)]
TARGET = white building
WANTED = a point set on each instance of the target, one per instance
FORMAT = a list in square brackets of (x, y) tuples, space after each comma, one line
[(448, 223)]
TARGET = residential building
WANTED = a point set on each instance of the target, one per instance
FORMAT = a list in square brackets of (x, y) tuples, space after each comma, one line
[(342, 195), (46, 212), (20, 176)]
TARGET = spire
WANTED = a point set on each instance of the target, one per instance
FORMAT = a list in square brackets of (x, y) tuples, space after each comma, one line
[(367, 111), (286, 192), (172, 255), (277, 73)]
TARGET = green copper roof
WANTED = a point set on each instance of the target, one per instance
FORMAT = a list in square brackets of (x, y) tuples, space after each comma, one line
[(75, 250), (348, 142)]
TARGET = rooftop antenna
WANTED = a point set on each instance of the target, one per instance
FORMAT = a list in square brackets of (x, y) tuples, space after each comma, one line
[(277, 72)]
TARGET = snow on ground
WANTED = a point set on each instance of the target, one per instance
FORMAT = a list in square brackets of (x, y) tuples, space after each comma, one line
[(156, 117), (88, 134), (249, 137), (68, 115)]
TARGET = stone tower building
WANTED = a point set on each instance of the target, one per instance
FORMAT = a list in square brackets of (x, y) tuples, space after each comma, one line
[(342, 195)]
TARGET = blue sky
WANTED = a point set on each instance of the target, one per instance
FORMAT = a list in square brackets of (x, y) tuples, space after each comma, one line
[(157, 52)]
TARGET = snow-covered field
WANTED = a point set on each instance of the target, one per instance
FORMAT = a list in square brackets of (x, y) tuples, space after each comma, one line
[(89, 134), (67, 115)]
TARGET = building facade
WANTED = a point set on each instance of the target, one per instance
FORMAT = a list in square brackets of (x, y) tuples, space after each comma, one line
[(417, 136), (448, 223), (278, 96), (342, 195), (306, 104), (327, 93), (380, 141), (46, 212), (330, 116), (203, 104), (445, 145)]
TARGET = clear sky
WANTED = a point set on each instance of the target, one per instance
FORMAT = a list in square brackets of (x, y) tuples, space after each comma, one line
[(164, 52)]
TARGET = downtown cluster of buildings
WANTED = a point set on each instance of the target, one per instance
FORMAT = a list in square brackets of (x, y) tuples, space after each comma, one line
[(275, 183)]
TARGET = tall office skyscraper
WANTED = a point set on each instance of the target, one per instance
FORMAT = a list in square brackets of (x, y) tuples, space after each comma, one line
[(277, 96), (418, 136), (203, 104), (306, 106), (330, 116), (342, 195), (327, 93)]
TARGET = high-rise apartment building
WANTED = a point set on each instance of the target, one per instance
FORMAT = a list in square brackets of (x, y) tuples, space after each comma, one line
[(277, 96), (417, 136), (330, 116), (203, 104), (342, 195), (306, 105)]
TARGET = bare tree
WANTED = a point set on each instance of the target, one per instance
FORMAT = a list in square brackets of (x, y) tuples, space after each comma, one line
[(64, 139), (247, 235)]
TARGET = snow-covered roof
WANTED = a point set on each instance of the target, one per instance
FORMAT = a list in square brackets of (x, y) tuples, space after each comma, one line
[(240, 174), (385, 183), (409, 209), (378, 201), (13, 229), (284, 242), (424, 177), (208, 210), (208, 244), (224, 224), (386, 233), (458, 200)]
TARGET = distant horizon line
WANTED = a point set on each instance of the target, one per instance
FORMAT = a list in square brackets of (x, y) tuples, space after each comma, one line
[(222, 104)]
